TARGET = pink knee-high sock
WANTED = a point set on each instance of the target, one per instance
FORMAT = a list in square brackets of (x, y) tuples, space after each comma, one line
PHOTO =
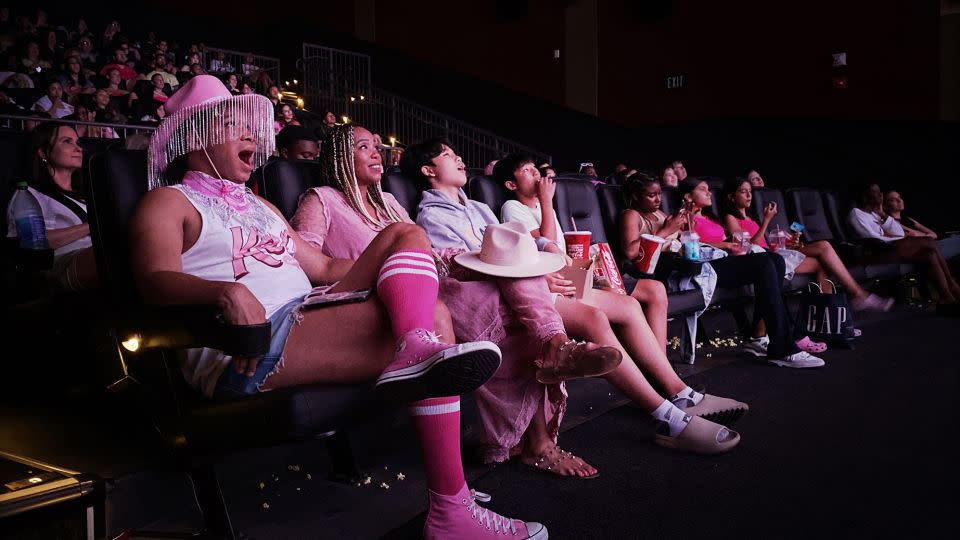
[(407, 286), (437, 421)]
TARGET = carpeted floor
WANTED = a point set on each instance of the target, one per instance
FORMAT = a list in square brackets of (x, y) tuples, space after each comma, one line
[(861, 448)]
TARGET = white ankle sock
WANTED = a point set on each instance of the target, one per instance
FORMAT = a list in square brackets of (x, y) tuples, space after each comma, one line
[(669, 414), (688, 397)]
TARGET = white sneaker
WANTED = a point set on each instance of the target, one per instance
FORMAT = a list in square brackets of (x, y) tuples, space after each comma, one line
[(798, 360), (756, 346)]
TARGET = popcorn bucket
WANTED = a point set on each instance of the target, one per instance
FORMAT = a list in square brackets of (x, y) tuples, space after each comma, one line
[(649, 252), (578, 244)]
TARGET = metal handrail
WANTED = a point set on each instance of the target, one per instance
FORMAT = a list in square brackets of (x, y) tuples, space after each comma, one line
[(331, 82), (12, 121)]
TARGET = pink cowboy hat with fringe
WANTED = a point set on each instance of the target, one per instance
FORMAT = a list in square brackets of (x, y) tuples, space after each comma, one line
[(197, 116)]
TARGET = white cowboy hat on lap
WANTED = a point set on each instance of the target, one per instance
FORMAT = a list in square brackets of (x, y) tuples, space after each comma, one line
[(508, 250)]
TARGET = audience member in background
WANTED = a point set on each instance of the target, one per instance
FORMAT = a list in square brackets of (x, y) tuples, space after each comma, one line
[(453, 221), (284, 117), (105, 110), (588, 169), (87, 51), (815, 258), (273, 94), (109, 33), (245, 89), (55, 183), (642, 196), (893, 207), (679, 169), (119, 63), (297, 142), (164, 67), (248, 67), (669, 177), (50, 49), (31, 60), (78, 31), (546, 171), (133, 54), (115, 86), (869, 222), (231, 82), (261, 82), (197, 69), (192, 59), (73, 80), (533, 193), (220, 64), (755, 179), (764, 271), (52, 102), (326, 126), (84, 112), (392, 337)]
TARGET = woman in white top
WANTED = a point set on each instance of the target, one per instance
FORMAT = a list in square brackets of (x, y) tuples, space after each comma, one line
[(57, 159), (868, 221)]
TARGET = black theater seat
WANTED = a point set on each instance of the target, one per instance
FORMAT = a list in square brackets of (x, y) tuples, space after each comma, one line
[(576, 201), (836, 212), (195, 429), (806, 205), (403, 189), (611, 204), (764, 196), (670, 202), (488, 191), (282, 181)]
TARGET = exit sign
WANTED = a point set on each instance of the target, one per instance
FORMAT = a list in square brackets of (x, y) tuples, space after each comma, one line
[(674, 82)]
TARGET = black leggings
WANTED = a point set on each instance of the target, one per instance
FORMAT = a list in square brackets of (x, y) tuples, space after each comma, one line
[(765, 272)]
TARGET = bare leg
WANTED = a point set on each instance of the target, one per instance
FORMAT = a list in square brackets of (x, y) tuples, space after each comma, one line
[(591, 323), (823, 253), (538, 443), (924, 251), (652, 295), (317, 349), (638, 338), (396, 237)]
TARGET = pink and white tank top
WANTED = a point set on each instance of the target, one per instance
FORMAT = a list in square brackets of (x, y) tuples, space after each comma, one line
[(252, 247)]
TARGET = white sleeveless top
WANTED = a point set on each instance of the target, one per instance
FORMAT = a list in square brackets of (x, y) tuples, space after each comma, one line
[(252, 248)]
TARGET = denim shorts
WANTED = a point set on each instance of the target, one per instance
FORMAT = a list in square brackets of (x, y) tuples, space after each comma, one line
[(233, 385)]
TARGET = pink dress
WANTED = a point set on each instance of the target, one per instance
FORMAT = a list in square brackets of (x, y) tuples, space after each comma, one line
[(752, 227), (508, 401)]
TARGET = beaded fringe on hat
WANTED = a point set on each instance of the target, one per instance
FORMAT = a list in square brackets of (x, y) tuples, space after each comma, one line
[(206, 124)]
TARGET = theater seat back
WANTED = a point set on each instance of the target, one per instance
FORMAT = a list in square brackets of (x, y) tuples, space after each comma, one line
[(488, 191), (611, 204), (403, 189), (764, 196), (576, 200), (670, 201), (120, 181), (836, 209), (807, 206), (282, 181)]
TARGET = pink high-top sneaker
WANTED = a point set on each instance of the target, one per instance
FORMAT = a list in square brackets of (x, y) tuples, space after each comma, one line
[(423, 367), (460, 517)]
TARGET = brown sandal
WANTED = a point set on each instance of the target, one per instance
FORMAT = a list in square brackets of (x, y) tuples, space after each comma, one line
[(545, 465), (577, 359)]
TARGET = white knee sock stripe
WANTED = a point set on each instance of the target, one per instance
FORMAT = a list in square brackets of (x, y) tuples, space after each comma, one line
[(394, 262), (432, 410), (410, 255), (408, 271)]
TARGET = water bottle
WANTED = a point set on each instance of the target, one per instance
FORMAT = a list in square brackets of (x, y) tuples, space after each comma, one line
[(691, 245), (31, 228)]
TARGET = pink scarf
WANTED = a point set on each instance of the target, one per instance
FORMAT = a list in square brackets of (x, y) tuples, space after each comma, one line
[(232, 193)]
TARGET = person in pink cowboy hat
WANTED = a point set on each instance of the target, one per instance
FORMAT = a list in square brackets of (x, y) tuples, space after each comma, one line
[(200, 237)]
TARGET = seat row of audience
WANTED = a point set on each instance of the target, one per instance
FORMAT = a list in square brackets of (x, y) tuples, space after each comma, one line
[(206, 239)]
